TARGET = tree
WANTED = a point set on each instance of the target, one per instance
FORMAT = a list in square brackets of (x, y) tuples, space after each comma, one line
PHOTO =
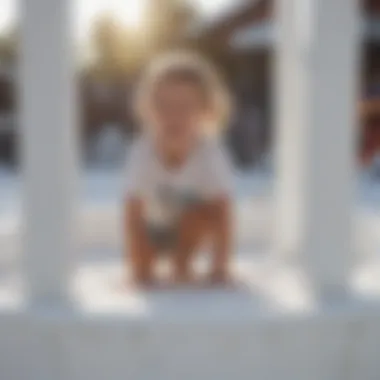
[(169, 21), (9, 46), (104, 42), (116, 50)]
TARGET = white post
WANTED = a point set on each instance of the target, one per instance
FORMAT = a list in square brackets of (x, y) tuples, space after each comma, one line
[(288, 88), (318, 150), (48, 147)]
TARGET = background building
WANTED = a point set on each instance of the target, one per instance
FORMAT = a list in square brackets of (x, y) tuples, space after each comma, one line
[(239, 39)]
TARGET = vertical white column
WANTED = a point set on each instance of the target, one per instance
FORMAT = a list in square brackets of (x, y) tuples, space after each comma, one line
[(318, 150), (48, 147), (330, 142), (289, 110)]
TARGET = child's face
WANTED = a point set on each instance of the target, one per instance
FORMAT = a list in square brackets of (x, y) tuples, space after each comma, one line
[(178, 112)]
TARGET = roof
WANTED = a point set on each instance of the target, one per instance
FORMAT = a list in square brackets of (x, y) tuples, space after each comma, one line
[(262, 34), (224, 14), (255, 35), (247, 23)]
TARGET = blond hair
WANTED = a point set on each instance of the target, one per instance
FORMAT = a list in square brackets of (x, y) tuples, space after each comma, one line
[(192, 68)]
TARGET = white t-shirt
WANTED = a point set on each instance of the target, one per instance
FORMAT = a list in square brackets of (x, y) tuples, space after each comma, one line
[(205, 175)]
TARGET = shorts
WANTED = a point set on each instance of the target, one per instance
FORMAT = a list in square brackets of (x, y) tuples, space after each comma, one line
[(166, 237), (162, 237)]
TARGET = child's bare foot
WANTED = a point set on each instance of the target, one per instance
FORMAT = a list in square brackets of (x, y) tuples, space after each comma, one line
[(144, 282), (219, 279), (184, 278)]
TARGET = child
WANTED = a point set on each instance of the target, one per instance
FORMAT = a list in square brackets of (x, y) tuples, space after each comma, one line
[(179, 178)]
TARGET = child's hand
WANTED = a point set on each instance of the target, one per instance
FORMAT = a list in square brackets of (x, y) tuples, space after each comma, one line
[(219, 278), (186, 277)]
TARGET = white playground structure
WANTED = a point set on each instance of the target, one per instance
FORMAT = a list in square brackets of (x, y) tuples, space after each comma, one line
[(317, 317)]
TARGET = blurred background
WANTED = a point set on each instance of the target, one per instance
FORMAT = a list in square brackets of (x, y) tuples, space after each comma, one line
[(115, 39)]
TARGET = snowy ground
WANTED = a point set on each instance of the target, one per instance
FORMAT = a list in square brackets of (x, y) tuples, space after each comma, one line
[(99, 232)]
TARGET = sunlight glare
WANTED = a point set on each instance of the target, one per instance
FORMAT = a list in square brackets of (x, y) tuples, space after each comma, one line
[(130, 12)]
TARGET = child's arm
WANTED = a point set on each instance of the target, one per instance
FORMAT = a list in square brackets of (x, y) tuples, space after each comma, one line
[(137, 246), (137, 243), (220, 194), (222, 239)]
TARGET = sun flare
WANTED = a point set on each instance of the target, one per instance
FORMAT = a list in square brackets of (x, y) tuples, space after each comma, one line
[(130, 12)]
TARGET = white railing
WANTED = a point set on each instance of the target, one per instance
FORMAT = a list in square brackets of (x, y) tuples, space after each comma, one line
[(316, 67)]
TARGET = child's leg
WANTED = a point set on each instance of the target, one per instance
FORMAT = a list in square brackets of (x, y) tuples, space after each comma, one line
[(140, 252), (142, 261), (193, 230), (221, 235), (210, 223)]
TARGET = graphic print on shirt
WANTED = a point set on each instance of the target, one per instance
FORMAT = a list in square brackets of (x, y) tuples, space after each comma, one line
[(173, 201)]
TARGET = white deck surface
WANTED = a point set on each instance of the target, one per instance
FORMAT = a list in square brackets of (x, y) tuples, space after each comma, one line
[(269, 327)]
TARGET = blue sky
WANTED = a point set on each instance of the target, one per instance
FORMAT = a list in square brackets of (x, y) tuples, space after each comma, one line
[(86, 10)]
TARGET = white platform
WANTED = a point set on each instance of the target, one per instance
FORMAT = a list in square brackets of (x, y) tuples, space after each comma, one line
[(269, 327)]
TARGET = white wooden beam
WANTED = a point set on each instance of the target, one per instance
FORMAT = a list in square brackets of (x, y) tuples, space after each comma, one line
[(318, 71), (48, 147), (289, 111)]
